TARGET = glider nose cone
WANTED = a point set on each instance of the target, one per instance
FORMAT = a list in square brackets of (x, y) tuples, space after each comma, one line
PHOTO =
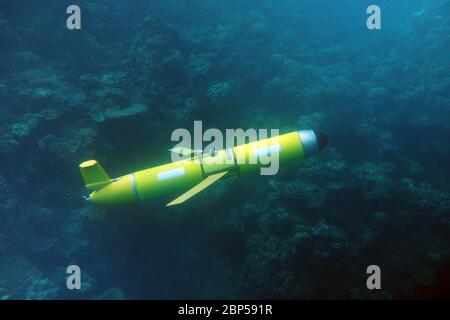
[(312, 141), (322, 139)]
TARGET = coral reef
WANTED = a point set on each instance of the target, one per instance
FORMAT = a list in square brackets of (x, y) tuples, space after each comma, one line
[(379, 193)]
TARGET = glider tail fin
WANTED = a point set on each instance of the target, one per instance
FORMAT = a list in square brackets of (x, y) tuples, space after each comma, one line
[(93, 175)]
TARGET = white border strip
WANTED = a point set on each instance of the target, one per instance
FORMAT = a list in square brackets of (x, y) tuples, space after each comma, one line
[(267, 150), (170, 174)]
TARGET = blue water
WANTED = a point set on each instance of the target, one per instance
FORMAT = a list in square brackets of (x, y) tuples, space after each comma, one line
[(379, 194)]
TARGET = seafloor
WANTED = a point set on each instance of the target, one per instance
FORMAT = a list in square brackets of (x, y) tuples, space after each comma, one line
[(116, 89)]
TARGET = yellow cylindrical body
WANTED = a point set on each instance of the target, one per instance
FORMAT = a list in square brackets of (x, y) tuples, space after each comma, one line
[(168, 178), (182, 175), (119, 191), (288, 147)]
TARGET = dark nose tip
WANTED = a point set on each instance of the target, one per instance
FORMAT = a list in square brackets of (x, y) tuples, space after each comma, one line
[(322, 139)]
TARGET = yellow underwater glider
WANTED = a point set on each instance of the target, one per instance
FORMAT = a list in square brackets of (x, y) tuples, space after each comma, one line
[(199, 171)]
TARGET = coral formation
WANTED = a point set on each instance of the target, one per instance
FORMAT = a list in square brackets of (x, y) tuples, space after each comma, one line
[(115, 91)]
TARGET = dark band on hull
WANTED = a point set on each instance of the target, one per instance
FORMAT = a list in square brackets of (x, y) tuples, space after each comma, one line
[(133, 187)]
